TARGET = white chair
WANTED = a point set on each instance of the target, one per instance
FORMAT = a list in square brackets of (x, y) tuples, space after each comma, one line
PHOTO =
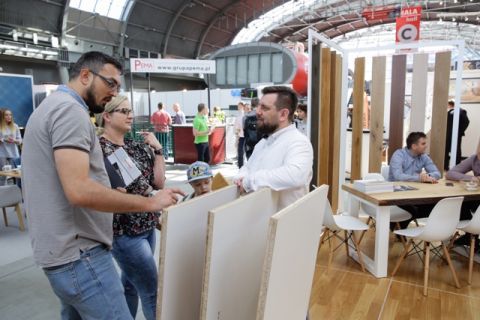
[(397, 214), (472, 227), (385, 170), (334, 224), (440, 226), (11, 196)]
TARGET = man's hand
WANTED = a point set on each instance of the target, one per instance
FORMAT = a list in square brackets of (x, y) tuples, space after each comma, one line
[(425, 178), (475, 179), (165, 198), (239, 183)]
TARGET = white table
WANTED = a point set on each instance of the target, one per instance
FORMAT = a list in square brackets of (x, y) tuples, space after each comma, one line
[(426, 194)]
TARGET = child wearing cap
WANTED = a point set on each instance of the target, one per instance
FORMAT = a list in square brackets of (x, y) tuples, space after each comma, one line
[(199, 176)]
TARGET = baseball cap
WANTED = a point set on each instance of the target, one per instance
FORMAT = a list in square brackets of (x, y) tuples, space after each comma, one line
[(198, 170)]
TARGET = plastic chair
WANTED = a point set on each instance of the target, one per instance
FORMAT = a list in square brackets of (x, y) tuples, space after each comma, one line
[(472, 227), (334, 224), (397, 214), (11, 196), (440, 226)]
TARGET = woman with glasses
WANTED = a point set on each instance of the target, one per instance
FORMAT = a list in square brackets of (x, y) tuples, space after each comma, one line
[(134, 233)]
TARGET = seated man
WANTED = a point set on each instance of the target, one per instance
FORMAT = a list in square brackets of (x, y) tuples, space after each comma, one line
[(407, 164), (199, 176)]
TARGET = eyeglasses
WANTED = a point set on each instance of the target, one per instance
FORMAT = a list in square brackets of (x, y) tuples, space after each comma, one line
[(125, 111), (111, 84)]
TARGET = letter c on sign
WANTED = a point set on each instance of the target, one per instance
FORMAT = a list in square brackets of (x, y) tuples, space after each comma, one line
[(407, 33)]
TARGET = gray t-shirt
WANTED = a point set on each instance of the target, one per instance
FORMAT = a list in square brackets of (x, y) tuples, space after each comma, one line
[(59, 230)]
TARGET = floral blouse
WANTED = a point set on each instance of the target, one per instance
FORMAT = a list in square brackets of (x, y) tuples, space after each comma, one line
[(137, 222)]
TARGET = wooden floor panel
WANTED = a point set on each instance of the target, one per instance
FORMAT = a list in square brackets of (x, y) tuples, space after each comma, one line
[(345, 292)]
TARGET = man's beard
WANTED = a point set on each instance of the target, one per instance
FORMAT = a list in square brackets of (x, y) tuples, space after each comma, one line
[(266, 128), (91, 103)]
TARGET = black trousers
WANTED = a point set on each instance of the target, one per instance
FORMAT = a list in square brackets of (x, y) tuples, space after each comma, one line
[(203, 152), (240, 151)]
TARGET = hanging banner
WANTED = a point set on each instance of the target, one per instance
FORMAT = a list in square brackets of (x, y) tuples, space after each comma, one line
[(408, 25), (172, 66)]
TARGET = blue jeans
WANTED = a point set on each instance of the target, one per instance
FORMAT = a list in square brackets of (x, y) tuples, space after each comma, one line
[(90, 287), (134, 255)]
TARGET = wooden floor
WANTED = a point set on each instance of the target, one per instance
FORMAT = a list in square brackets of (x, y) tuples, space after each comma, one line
[(345, 292)]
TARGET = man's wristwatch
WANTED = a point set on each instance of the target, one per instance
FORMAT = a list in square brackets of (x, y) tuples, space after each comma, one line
[(158, 152)]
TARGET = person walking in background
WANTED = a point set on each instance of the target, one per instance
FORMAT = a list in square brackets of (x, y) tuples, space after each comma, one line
[(161, 121), (219, 114), (201, 133), (463, 123), (178, 116), (301, 121), (239, 133), (10, 139), (250, 128), (134, 233)]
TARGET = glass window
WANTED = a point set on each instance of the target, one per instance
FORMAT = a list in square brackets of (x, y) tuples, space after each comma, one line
[(265, 67), (242, 70), (110, 8), (277, 70), (231, 70), (253, 69), (220, 71)]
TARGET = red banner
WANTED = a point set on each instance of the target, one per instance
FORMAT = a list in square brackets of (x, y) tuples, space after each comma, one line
[(408, 25)]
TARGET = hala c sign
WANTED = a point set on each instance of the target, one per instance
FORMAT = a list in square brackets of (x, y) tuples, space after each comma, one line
[(172, 66), (408, 25)]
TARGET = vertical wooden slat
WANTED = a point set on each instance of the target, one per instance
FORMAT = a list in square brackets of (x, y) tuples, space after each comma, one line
[(357, 118), (439, 107), (315, 109), (377, 106), (324, 139), (397, 104), (335, 121), (419, 92)]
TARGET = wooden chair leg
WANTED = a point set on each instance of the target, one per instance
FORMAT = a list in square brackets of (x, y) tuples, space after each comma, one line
[(452, 240), (402, 257), (426, 267), (470, 259), (330, 247), (402, 238), (345, 233), (20, 217), (5, 218), (447, 255), (359, 253), (322, 238), (370, 219)]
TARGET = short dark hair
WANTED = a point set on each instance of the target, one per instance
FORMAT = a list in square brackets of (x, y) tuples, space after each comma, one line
[(451, 103), (303, 107), (286, 98), (160, 105), (413, 138), (94, 61), (200, 107), (254, 102)]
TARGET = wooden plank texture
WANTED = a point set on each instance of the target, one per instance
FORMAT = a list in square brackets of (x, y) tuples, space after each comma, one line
[(419, 92), (236, 244), (294, 236), (377, 105), (315, 110), (324, 138), (439, 108), (357, 118), (335, 123), (182, 254), (397, 104)]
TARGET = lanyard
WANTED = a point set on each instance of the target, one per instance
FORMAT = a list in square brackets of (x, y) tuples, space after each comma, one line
[(74, 94)]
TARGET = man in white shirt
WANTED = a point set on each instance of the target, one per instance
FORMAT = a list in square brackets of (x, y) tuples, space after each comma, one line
[(283, 159)]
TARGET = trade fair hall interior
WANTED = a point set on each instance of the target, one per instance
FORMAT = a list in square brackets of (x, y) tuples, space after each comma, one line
[(239, 159)]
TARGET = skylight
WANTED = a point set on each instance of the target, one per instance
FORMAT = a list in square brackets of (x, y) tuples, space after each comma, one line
[(114, 9)]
